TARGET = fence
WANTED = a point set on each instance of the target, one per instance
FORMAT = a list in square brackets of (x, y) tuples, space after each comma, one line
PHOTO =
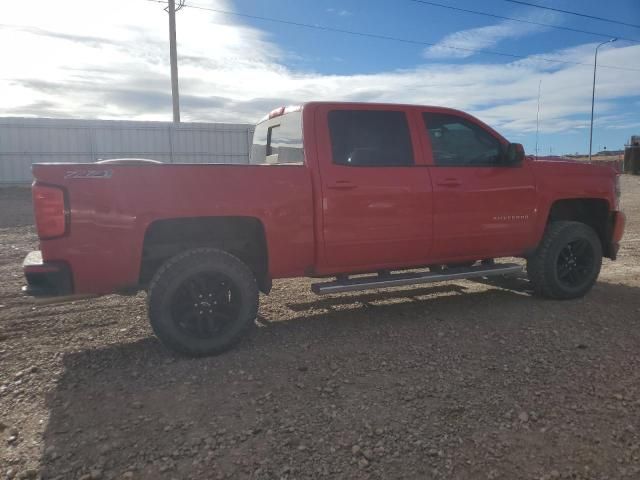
[(24, 141)]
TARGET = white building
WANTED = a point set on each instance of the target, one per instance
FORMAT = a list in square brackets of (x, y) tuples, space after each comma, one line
[(24, 141)]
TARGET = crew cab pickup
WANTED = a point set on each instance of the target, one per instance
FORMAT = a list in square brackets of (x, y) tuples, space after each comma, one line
[(401, 193)]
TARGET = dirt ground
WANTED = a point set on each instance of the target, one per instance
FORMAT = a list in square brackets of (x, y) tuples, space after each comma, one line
[(463, 380)]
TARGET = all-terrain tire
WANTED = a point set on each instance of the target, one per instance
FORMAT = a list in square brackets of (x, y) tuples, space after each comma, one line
[(547, 267), (175, 283)]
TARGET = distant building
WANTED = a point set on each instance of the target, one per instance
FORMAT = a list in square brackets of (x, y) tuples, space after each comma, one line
[(632, 156)]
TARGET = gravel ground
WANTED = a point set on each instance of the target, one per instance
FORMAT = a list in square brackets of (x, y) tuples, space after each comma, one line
[(463, 380)]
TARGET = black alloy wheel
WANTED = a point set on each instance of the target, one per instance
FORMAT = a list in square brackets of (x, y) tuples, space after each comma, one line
[(205, 304), (575, 263)]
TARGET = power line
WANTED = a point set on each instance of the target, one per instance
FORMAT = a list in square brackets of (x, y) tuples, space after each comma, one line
[(593, 17), (531, 22), (391, 38)]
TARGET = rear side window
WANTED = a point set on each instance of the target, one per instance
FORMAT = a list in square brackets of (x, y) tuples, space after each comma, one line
[(455, 141), (278, 140), (373, 138)]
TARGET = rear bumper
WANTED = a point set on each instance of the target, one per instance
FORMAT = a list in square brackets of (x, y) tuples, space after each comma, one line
[(46, 279)]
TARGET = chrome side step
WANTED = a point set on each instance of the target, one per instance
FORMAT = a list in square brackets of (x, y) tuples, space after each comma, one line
[(413, 278)]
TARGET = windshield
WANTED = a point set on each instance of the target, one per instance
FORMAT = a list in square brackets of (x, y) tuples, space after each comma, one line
[(278, 140)]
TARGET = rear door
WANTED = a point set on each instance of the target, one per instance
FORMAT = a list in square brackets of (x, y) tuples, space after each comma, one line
[(376, 191), (482, 206)]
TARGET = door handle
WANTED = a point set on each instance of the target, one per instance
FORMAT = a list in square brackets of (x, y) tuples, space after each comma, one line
[(342, 185), (449, 182)]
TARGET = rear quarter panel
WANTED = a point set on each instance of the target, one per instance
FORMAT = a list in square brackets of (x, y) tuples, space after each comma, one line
[(110, 215)]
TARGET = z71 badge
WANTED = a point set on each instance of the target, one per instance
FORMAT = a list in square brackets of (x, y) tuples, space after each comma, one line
[(88, 174)]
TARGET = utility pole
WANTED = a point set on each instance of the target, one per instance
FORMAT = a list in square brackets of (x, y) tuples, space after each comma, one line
[(173, 53), (593, 91), (538, 118)]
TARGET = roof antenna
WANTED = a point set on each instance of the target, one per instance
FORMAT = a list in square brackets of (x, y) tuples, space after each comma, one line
[(538, 118)]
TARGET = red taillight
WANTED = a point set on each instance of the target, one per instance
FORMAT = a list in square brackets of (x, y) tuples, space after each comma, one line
[(50, 211), (276, 112)]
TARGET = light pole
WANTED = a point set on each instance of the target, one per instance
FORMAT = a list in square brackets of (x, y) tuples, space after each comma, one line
[(593, 92)]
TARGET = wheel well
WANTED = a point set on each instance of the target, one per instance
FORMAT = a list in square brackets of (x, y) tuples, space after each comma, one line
[(591, 211), (243, 237)]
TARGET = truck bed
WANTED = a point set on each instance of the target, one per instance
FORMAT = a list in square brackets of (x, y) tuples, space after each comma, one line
[(111, 207)]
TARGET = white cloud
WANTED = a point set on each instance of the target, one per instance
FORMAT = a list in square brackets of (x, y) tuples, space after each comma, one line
[(461, 44), (339, 11), (110, 60)]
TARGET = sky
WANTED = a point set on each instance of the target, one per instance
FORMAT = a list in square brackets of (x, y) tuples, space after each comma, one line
[(110, 60)]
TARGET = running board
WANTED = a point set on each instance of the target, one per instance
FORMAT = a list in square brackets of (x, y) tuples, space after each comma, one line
[(413, 278)]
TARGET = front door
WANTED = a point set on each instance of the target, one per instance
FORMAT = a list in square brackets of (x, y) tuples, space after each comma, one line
[(482, 206), (376, 199)]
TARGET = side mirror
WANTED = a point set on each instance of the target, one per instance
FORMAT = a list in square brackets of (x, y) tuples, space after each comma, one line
[(514, 154)]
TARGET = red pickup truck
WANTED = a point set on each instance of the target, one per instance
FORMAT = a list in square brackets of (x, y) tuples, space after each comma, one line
[(403, 194)]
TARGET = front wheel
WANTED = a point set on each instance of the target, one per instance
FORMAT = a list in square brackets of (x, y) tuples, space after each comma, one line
[(202, 301), (567, 261)]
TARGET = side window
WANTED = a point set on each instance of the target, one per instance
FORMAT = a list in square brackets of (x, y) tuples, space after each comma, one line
[(374, 138), (456, 141), (284, 144), (278, 140)]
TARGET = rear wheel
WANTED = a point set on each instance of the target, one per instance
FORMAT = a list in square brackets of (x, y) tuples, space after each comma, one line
[(567, 261), (202, 301)]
